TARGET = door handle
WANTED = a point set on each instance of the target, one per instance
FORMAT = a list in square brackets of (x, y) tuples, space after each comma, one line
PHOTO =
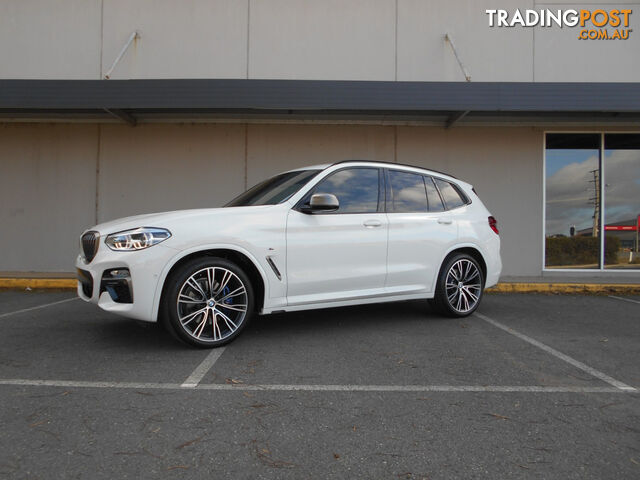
[(372, 223), (445, 221)]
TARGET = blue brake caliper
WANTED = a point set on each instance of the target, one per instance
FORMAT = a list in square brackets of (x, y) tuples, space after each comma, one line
[(225, 291)]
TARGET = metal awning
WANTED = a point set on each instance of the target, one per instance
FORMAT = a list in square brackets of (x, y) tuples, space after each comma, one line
[(446, 103)]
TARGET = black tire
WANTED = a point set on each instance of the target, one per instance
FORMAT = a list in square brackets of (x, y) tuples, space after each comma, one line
[(467, 287), (182, 300)]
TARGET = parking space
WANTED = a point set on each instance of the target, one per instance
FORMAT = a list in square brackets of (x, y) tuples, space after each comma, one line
[(77, 341), (601, 330), (533, 386), (390, 344), (11, 301)]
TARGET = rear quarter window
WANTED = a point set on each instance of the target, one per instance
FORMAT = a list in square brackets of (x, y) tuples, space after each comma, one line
[(450, 194)]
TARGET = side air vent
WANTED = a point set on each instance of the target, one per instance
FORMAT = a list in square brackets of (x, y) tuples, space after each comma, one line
[(90, 243), (274, 268)]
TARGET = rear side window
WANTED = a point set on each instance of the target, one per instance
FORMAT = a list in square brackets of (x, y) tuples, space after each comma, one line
[(356, 189), (407, 192), (435, 202), (450, 194)]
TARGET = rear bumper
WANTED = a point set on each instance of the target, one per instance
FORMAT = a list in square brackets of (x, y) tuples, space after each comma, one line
[(493, 273), (494, 263)]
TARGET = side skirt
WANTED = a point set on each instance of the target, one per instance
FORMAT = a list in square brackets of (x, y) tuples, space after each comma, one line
[(346, 303)]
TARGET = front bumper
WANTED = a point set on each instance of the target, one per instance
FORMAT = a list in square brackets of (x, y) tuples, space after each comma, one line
[(110, 292)]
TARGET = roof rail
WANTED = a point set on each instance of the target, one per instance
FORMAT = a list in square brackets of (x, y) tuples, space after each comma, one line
[(397, 164)]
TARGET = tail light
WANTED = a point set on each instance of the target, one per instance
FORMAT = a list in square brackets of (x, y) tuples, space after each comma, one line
[(493, 223)]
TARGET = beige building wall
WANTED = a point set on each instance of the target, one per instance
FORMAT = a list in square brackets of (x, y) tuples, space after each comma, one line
[(560, 56), (305, 39), (489, 54), (276, 148), (49, 194), (47, 40), (178, 39), (322, 40), (155, 168)]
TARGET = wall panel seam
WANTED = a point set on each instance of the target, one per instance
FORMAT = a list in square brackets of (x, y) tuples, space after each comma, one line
[(101, 36), (97, 199), (248, 34)]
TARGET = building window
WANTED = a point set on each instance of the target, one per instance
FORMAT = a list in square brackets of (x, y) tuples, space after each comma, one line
[(621, 164), (592, 186)]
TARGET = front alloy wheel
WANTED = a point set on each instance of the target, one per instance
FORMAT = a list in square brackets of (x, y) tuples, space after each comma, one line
[(209, 302), (460, 286)]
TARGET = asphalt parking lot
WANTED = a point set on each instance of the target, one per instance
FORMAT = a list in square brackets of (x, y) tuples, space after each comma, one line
[(533, 386)]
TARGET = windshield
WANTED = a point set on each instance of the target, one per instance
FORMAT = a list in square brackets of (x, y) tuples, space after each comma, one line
[(274, 190)]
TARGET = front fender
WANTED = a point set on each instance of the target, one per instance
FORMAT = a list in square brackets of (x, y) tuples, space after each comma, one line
[(201, 248)]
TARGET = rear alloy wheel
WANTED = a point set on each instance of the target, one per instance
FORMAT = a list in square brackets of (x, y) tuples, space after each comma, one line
[(460, 286), (209, 302)]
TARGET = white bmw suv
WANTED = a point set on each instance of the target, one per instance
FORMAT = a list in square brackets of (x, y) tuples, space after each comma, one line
[(348, 233)]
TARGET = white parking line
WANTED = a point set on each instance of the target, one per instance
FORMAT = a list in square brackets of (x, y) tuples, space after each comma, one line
[(624, 299), (85, 384), (411, 388), (201, 370), (315, 388), (38, 307), (572, 361)]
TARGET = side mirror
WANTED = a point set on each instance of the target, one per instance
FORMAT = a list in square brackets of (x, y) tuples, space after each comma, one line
[(323, 202)]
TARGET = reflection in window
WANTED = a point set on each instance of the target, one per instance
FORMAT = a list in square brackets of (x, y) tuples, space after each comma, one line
[(355, 188), (621, 200), (572, 216), (579, 185), (407, 192), (274, 190), (449, 194)]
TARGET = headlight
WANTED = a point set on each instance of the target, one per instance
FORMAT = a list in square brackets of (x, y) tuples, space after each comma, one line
[(137, 238)]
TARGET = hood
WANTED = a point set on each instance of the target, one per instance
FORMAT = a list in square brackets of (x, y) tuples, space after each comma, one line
[(169, 219)]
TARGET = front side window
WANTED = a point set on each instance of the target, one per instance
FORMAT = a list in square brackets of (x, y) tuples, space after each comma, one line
[(275, 189), (407, 192), (357, 189)]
